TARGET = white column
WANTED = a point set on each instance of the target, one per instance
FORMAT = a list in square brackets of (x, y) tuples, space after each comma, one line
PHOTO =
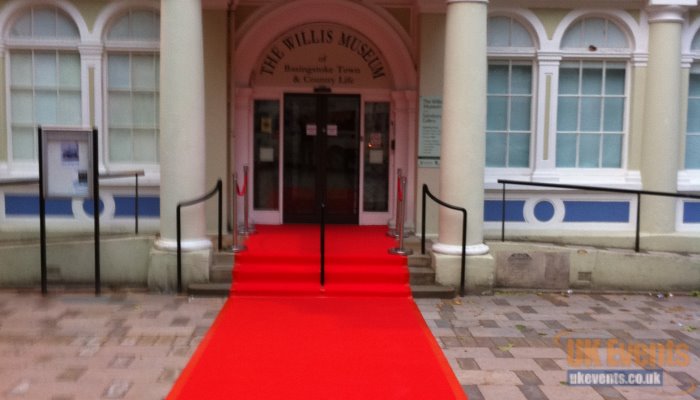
[(462, 154), (661, 135), (182, 144)]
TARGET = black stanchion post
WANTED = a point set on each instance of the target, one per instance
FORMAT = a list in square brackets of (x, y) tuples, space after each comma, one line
[(323, 244), (42, 214), (219, 186), (179, 251), (639, 217), (422, 223), (96, 205), (136, 204), (503, 214)]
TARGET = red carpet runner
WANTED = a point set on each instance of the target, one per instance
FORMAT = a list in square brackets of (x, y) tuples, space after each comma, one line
[(280, 337)]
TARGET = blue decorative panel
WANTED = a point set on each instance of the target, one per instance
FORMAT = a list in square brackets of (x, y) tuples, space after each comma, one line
[(149, 206), (28, 205), (89, 207), (544, 211), (597, 211), (691, 212), (514, 210)]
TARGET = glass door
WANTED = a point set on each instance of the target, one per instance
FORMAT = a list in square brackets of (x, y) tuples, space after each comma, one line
[(321, 157)]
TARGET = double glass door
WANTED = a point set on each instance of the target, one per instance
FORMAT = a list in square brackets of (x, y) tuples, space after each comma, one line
[(321, 158)]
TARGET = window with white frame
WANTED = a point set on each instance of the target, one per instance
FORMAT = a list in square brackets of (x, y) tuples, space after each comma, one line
[(509, 94), (44, 77), (132, 101), (692, 134), (592, 96)]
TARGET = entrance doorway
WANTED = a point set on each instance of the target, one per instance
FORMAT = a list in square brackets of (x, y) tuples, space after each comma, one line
[(321, 158)]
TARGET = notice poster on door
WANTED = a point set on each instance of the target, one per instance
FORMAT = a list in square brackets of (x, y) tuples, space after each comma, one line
[(311, 130), (332, 130), (429, 131)]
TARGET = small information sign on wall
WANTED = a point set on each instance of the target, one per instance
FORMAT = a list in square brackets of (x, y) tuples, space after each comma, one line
[(67, 163), (430, 127)]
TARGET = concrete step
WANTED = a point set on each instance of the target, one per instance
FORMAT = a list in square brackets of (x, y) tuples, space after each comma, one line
[(209, 289), (421, 275), (221, 273), (419, 260), (433, 292)]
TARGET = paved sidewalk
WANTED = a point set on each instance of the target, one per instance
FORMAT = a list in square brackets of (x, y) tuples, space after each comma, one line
[(133, 345)]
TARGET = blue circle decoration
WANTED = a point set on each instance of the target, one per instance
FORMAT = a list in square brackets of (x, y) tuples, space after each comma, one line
[(544, 211), (89, 207)]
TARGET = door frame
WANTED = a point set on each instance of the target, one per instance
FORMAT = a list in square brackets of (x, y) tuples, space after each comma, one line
[(403, 126)]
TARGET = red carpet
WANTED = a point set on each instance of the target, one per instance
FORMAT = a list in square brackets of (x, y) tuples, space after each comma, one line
[(280, 337)]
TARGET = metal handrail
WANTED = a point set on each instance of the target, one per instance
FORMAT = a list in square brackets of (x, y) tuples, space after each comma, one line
[(217, 189), (638, 193), (323, 245), (426, 192)]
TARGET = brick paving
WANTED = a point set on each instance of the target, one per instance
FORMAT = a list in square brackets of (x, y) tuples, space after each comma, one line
[(133, 345)]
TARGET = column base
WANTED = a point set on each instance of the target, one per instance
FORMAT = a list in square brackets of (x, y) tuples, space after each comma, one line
[(162, 268), (456, 250), (479, 272)]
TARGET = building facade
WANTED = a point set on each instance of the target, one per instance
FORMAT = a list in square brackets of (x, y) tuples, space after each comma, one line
[(326, 101)]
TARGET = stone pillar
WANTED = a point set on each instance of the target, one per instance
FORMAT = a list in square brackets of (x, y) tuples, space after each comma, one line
[(463, 148), (462, 155), (661, 134), (182, 145)]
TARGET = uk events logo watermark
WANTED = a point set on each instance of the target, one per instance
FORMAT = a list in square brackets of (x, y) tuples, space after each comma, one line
[(620, 363)]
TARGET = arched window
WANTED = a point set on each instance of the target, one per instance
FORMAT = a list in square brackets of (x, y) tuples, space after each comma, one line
[(132, 46), (592, 95), (44, 76), (509, 94), (692, 135)]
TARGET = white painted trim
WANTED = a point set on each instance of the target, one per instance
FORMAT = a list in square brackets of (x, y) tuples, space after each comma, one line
[(527, 19), (15, 8), (109, 14), (456, 250), (186, 244), (637, 39)]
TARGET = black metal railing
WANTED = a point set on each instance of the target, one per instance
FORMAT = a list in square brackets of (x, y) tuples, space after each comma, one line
[(427, 193), (638, 193), (323, 245), (127, 174), (217, 189)]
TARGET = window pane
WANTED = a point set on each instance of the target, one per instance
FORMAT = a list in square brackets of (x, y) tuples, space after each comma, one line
[(21, 68), (520, 113), (144, 25), (589, 151), (612, 151), (521, 79), (119, 72), (120, 30), (592, 80), (46, 108), (22, 143), (616, 38), (567, 114), (568, 81), (22, 107), (119, 145), (144, 72), (498, 79), (497, 113), (573, 37), (693, 115), (497, 31), (144, 110), (692, 152), (519, 37), (145, 148), (23, 26), (566, 150), (45, 69), (694, 89), (519, 150), (615, 81), (120, 109), (614, 112), (590, 114), (45, 23), (65, 27), (69, 73), (69, 109), (594, 32), (496, 149)]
